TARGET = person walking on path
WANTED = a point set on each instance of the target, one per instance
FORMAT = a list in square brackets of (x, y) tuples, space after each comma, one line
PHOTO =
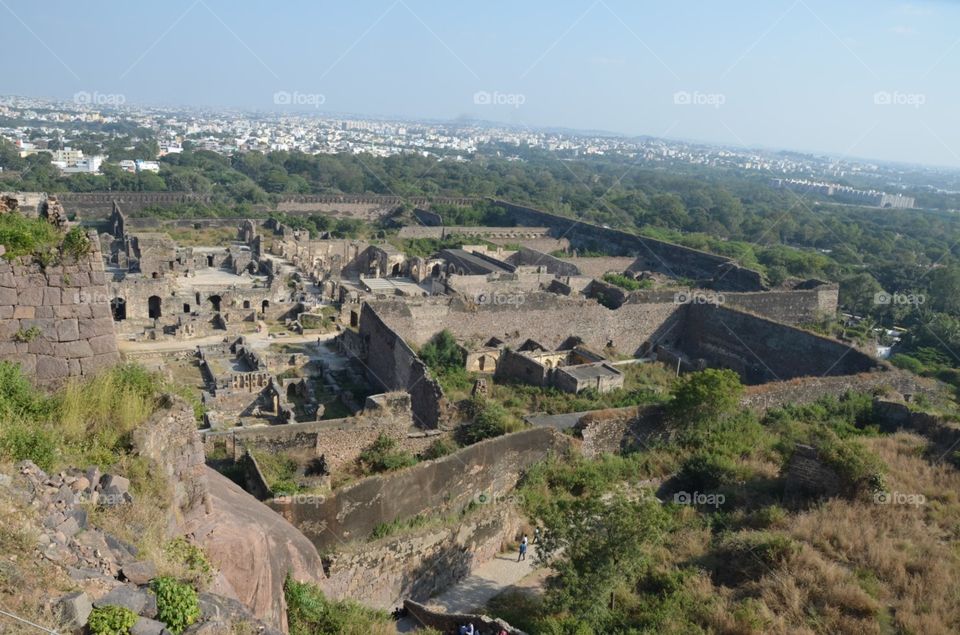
[(523, 548), (536, 535)]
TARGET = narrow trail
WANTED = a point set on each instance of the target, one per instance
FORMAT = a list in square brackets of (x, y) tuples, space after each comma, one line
[(473, 592)]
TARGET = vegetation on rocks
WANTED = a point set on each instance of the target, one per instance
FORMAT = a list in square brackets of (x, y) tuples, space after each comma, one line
[(693, 532), (111, 620), (309, 612)]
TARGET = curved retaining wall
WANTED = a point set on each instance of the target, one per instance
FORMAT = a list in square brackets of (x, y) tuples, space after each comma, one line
[(492, 467)]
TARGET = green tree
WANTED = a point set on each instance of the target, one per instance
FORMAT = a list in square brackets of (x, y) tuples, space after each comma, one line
[(711, 394)]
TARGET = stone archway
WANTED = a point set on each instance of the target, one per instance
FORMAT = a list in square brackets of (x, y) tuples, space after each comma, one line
[(215, 303)]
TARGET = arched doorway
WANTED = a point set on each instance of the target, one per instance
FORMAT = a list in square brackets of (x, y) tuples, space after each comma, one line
[(118, 307), (246, 304), (396, 269), (210, 260), (435, 272), (264, 306), (153, 307), (215, 303)]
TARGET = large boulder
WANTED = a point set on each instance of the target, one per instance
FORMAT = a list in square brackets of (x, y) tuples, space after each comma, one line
[(253, 546)]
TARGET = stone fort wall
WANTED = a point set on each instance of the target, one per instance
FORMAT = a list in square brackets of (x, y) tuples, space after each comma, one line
[(762, 350), (392, 365), (55, 321), (422, 563), (446, 485), (99, 205), (658, 255), (544, 317)]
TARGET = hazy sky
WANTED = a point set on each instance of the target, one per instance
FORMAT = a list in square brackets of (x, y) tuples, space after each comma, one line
[(865, 78)]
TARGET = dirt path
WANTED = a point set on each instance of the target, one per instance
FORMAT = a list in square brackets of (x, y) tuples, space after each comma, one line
[(486, 581), (256, 340)]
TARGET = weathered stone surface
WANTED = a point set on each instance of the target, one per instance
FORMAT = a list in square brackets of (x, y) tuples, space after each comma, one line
[(50, 368), (74, 610), (145, 626), (139, 572), (253, 546), (126, 596), (68, 330), (61, 302)]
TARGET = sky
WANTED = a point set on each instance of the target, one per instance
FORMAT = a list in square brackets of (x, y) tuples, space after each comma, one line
[(871, 79)]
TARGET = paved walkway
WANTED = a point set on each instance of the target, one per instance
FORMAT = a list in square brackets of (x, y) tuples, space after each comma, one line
[(486, 581), (472, 593)]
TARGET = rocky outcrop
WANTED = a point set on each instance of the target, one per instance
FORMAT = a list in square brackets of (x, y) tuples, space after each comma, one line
[(170, 439), (108, 571), (254, 547)]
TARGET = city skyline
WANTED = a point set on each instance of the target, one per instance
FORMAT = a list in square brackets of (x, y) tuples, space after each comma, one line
[(800, 76)]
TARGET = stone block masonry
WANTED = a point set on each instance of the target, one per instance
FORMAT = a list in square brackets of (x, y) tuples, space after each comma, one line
[(55, 321), (447, 485)]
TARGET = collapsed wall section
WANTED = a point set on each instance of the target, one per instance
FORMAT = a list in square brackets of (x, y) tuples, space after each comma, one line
[(55, 320)]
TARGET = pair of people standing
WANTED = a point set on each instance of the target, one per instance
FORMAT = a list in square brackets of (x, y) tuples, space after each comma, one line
[(524, 544)]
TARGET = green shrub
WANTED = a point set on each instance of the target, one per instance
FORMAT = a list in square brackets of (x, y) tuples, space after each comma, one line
[(177, 604), (437, 449), (76, 243), (22, 236), (186, 553), (706, 395), (626, 282), (382, 456), (309, 612), (26, 335), (21, 441), (442, 352), (490, 419), (111, 620)]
